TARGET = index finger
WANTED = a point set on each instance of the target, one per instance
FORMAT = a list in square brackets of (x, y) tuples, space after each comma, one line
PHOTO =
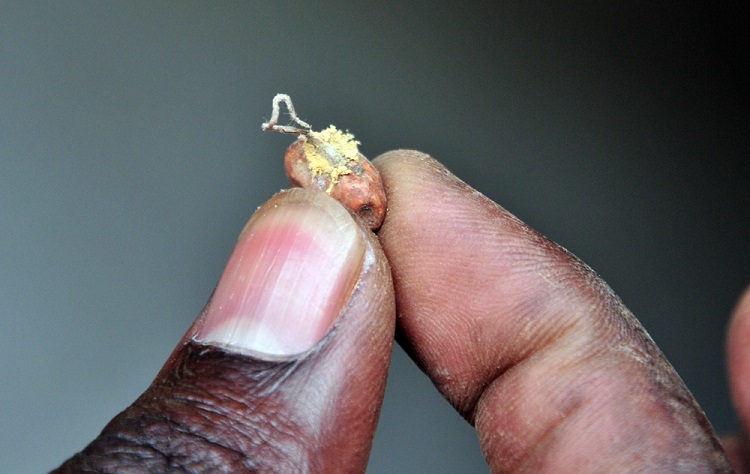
[(526, 341)]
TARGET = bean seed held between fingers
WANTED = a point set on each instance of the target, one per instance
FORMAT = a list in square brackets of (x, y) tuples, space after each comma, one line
[(330, 161)]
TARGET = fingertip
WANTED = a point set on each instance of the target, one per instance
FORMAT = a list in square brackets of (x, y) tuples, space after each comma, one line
[(411, 166), (738, 357)]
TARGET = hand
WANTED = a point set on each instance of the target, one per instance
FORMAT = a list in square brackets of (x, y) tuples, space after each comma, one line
[(285, 368)]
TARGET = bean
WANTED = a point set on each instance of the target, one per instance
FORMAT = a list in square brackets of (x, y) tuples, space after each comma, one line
[(330, 161)]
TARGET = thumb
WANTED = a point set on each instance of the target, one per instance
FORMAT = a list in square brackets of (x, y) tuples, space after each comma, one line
[(285, 368)]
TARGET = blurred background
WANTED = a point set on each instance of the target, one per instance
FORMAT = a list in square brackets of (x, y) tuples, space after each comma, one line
[(131, 156)]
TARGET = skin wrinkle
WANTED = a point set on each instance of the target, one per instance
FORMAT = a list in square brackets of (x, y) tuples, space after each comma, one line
[(262, 382), (466, 407), (140, 451), (187, 445), (265, 386), (595, 353), (259, 431), (503, 367), (531, 342), (223, 418), (226, 442), (159, 429), (567, 400), (541, 444)]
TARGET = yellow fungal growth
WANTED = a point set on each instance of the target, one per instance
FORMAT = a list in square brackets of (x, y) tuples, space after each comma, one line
[(329, 152)]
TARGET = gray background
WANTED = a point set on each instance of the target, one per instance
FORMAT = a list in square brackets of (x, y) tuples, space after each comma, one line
[(131, 156)]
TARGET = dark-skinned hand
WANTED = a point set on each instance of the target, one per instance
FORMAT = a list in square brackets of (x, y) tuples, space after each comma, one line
[(285, 369)]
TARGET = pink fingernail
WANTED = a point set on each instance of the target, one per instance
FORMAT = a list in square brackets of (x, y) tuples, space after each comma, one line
[(289, 277)]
